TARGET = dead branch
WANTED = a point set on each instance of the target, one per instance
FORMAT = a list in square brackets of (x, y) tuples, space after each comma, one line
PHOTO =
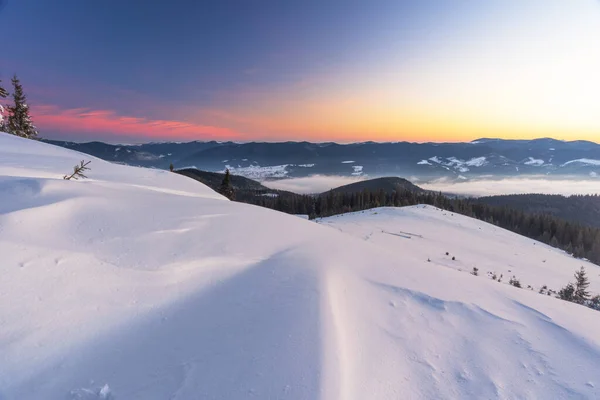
[(78, 171)]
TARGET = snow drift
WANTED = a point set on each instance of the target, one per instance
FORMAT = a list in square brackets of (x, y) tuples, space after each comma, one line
[(143, 284)]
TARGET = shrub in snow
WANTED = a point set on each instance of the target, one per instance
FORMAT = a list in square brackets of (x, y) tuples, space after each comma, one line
[(171, 167), (475, 271), (567, 292), (78, 171), (515, 282)]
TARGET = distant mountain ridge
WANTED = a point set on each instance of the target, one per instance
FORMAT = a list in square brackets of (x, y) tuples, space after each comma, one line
[(483, 157)]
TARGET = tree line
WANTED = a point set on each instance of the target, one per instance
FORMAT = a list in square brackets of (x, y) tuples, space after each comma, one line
[(584, 209), (582, 241), (15, 118)]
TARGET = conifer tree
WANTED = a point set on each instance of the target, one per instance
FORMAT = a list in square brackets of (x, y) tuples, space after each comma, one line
[(19, 121), (3, 95), (226, 189), (567, 292), (582, 282)]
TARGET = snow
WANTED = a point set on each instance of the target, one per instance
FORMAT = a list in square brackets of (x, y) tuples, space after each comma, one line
[(587, 161), (348, 162), (534, 161), (434, 231), (476, 162), (143, 284), (458, 164), (424, 162), (306, 165), (258, 172), (358, 170)]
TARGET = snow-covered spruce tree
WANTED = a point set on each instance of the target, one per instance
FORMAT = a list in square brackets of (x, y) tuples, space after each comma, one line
[(3, 95), (581, 295), (19, 121)]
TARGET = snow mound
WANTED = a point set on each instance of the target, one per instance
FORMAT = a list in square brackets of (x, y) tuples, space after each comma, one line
[(143, 284)]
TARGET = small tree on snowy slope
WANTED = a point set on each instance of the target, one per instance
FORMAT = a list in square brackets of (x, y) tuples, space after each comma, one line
[(226, 189), (3, 95), (567, 292), (19, 121), (582, 282)]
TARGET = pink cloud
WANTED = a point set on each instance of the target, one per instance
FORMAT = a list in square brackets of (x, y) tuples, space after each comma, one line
[(82, 120)]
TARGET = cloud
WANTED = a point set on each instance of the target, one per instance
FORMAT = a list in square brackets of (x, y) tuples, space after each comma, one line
[(311, 184), (108, 122), (516, 186)]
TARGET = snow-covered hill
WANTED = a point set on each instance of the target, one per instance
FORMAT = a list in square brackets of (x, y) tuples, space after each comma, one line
[(429, 233), (142, 284)]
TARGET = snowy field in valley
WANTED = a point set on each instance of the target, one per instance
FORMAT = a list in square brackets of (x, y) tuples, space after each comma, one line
[(143, 284)]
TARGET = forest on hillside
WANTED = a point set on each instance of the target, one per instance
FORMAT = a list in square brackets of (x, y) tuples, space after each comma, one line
[(584, 209)]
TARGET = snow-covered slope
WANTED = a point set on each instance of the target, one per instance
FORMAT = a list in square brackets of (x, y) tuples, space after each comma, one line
[(142, 284), (429, 233)]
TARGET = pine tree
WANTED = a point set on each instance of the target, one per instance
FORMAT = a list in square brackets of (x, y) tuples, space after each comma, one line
[(19, 121), (567, 292), (3, 95), (226, 189), (582, 282)]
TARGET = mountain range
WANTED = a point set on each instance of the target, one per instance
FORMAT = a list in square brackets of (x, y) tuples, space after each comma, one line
[(489, 158)]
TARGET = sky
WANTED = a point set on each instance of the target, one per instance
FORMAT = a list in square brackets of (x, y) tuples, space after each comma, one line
[(382, 70)]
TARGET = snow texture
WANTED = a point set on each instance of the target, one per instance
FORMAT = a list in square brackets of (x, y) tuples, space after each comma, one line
[(258, 172), (143, 284), (534, 162), (358, 170), (587, 161)]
